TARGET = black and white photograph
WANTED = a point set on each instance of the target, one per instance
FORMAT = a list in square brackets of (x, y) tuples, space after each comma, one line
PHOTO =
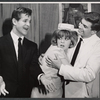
[(49, 49)]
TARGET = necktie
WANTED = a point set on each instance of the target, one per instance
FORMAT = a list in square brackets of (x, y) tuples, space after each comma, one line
[(75, 56), (19, 49), (20, 59), (76, 52)]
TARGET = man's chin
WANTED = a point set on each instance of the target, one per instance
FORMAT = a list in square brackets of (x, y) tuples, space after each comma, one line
[(24, 33)]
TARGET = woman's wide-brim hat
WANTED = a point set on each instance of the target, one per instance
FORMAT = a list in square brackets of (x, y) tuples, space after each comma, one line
[(65, 26)]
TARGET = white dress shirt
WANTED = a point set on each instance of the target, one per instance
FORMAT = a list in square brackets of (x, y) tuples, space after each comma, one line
[(15, 41)]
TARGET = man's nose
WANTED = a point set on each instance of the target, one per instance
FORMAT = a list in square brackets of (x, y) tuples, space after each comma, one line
[(80, 25), (28, 23)]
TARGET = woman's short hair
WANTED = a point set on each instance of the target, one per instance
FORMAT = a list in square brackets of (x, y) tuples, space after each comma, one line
[(57, 34)]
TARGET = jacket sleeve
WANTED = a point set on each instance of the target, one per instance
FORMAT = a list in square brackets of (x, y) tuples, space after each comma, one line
[(87, 73), (35, 69)]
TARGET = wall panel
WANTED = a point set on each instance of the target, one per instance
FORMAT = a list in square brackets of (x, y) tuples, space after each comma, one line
[(49, 19)]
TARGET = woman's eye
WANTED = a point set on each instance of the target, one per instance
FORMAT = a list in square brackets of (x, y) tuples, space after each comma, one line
[(60, 38), (25, 20), (67, 38)]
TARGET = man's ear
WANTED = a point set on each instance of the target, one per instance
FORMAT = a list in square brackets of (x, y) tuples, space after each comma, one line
[(94, 32), (14, 21)]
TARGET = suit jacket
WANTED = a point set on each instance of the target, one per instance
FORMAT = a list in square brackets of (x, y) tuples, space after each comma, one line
[(16, 78), (85, 70)]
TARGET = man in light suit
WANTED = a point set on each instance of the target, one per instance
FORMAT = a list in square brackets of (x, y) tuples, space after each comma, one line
[(17, 80), (87, 64)]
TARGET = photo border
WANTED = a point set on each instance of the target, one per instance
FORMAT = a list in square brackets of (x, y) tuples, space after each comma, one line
[(48, 1)]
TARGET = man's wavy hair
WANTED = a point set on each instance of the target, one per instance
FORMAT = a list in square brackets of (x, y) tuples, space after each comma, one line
[(20, 10), (61, 33), (94, 18)]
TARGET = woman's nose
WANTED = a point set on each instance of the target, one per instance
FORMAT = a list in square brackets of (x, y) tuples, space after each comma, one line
[(62, 40)]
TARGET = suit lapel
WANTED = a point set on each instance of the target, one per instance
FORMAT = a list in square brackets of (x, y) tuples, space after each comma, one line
[(89, 47), (86, 51), (25, 47), (11, 47)]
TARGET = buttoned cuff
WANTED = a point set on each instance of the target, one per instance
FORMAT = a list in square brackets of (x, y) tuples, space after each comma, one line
[(63, 69), (39, 78), (1, 79), (60, 70)]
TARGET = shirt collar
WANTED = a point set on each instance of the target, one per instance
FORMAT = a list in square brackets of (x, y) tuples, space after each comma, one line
[(85, 40), (15, 37), (79, 38)]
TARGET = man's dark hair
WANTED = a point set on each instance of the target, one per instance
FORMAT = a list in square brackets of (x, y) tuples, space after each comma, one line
[(21, 10), (94, 18)]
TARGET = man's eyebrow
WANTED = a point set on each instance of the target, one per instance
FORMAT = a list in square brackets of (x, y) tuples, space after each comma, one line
[(84, 24)]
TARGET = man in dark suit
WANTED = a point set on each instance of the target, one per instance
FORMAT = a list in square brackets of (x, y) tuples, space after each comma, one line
[(19, 75)]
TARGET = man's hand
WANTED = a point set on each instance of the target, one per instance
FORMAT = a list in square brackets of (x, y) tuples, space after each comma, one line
[(54, 63), (48, 83), (2, 89)]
